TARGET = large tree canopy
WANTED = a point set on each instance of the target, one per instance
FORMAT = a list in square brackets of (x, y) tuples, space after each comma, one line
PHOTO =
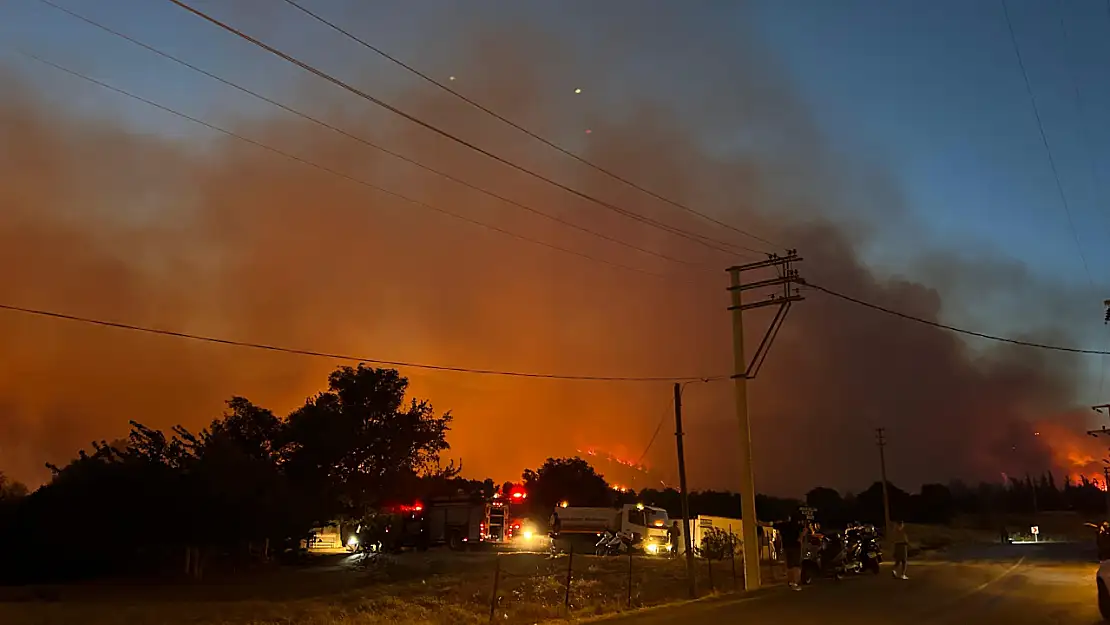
[(249, 478), (362, 440), (567, 479)]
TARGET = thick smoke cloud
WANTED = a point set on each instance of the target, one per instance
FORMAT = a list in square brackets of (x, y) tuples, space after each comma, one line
[(229, 240)]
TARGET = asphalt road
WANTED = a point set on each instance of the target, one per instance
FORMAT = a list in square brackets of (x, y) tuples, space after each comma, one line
[(1042, 584)]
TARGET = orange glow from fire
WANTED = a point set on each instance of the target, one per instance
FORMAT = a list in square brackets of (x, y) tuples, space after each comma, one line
[(1073, 452)]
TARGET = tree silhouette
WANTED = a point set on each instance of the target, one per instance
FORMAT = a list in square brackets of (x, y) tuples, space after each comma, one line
[(571, 479), (10, 489), (251, 478), (831, 508), (362, 443)]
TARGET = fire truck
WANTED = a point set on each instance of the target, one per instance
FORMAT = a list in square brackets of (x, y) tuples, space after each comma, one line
[(460, 522)]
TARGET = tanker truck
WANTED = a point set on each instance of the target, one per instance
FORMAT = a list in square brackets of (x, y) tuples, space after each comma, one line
[(645, 526)]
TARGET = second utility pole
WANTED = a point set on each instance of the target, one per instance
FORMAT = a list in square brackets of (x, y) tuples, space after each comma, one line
[(880, 439), (684, 495)]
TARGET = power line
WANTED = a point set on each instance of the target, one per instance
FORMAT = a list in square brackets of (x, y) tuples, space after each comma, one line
[(665, 416), (942, 326), (658, 428), (1044, 140), (526, 131), (709, 242), (1096, 176), (334, 172), (479, 223), (357, 138), (347, 357), (298, 159)]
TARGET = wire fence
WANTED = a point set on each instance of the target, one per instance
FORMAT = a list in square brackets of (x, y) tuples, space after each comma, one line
[(527, 588)]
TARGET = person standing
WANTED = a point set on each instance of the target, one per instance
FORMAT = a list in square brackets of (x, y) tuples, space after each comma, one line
[(791, 532), (901, 550), (1102, 540)]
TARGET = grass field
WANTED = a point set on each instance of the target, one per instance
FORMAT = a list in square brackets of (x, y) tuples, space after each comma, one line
[(437, 587)]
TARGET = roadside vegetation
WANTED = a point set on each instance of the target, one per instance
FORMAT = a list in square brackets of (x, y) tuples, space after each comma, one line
[(431, 588)]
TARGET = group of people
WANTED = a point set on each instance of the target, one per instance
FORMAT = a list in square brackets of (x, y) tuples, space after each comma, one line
[(795, 533)]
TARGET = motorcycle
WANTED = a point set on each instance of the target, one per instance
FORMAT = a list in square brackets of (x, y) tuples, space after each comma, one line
[(867, 550), (612, 544), (828, 555)]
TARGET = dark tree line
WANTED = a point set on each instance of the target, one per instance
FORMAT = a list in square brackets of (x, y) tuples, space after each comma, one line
[(933, 504), (575, 481), (254, 484), (249, 483), (940, 503)]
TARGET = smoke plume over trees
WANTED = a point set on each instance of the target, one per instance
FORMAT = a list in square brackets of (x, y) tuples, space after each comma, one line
[(199, 232)]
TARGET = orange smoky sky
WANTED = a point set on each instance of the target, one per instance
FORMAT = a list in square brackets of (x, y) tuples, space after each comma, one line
[(217, 237)]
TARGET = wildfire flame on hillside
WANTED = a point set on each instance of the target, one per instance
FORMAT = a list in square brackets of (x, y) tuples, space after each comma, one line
[(1074, 453), (621, 473)]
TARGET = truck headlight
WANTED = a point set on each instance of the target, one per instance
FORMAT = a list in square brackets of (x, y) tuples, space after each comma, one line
[(652, 548)]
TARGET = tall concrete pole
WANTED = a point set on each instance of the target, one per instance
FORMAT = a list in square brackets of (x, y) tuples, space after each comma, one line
[(747, 474)]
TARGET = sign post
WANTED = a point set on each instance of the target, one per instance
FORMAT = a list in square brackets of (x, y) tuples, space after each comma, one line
[(1035, 531), (807, 512)]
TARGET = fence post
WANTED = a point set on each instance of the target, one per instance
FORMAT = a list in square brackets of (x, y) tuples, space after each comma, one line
[(630, 579), (709, 562), (496, 582), (732, 554), (570, 568)]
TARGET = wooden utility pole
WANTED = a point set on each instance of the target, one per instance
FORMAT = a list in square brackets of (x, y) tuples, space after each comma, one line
[(743, 371), (684, 495), (880, 439)]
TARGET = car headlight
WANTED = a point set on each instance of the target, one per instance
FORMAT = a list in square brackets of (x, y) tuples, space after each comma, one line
[(352, 541), (527, 534), (652, 548)]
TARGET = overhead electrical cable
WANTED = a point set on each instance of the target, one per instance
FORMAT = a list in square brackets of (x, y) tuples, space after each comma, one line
[(335, 172), (663, 419), (359, 139), (942, 326), (545, 141), (347, 357), (709, 242), (658, 428), (1085, 141), (1044, 140)]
